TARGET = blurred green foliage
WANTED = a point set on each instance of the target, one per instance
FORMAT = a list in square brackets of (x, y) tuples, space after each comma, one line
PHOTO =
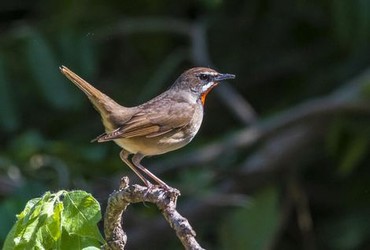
[(283, 53), (260, 219)]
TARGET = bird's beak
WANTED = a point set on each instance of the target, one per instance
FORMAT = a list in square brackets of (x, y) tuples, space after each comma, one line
[(221, 77)]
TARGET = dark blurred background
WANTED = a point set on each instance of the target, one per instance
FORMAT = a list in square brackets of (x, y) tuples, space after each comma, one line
[(282, 159)]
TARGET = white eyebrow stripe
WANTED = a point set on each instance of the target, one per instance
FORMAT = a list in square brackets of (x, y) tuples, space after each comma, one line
[(209, 73)]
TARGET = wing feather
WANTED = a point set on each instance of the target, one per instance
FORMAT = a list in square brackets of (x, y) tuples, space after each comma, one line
[(159, 119)]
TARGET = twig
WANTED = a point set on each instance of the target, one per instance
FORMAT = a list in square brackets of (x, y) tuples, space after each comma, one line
[(165, 200)]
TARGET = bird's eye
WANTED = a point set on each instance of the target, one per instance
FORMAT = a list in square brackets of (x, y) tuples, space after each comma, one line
[(204, 77)]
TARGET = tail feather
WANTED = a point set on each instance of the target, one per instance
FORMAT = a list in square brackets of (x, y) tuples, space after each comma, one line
[(102, 103)]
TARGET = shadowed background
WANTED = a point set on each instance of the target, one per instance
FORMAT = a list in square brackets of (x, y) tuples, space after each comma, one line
[(282, 159)]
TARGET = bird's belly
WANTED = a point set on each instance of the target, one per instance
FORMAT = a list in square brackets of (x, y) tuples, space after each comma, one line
[(154, 146)]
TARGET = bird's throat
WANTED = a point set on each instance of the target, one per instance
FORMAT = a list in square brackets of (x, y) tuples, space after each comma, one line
[(205, 93)]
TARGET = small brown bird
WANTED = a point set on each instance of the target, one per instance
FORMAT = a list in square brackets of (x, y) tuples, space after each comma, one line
[(164, 123)]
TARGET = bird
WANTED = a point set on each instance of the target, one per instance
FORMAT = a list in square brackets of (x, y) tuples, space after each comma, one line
[(165, 123)]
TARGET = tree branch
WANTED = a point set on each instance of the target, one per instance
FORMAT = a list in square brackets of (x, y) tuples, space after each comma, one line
[(348, 99), (303, 126), (196, 33), (165, 200)]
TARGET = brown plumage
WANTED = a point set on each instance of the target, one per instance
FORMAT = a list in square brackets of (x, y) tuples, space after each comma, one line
[(164, 123)]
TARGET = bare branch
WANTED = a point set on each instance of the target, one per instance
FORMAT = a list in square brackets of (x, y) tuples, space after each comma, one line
[(303, 126), (165, 200)]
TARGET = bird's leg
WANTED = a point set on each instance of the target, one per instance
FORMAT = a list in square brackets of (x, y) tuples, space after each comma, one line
[(124, 157), (136, 161)]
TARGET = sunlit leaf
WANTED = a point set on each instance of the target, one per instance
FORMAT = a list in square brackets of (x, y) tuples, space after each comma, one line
[(64, 220), (16, 203), (81, 214)]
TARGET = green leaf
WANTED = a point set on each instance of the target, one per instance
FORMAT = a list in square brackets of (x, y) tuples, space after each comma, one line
[(73, 241), (252, 227), (54, 224), (30, 221), (81, 214), (64, 220), (15, 203), (9, 242)]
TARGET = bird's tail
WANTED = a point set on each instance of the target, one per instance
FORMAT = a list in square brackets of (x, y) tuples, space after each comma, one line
[(103, 103)]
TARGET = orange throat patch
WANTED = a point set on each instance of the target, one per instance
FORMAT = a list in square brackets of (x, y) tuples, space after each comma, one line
[(205, 93)]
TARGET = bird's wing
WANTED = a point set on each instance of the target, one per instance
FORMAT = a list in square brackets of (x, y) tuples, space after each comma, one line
[(154, 121)]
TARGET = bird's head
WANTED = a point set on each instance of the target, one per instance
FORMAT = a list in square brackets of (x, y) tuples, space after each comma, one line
[(200, 81)]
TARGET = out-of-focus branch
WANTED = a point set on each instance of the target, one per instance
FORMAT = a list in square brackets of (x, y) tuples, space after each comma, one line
[(227, 93), (303, 125), (304, 118), (196, 33), (241, 181), (165, 200), (347, 99)]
